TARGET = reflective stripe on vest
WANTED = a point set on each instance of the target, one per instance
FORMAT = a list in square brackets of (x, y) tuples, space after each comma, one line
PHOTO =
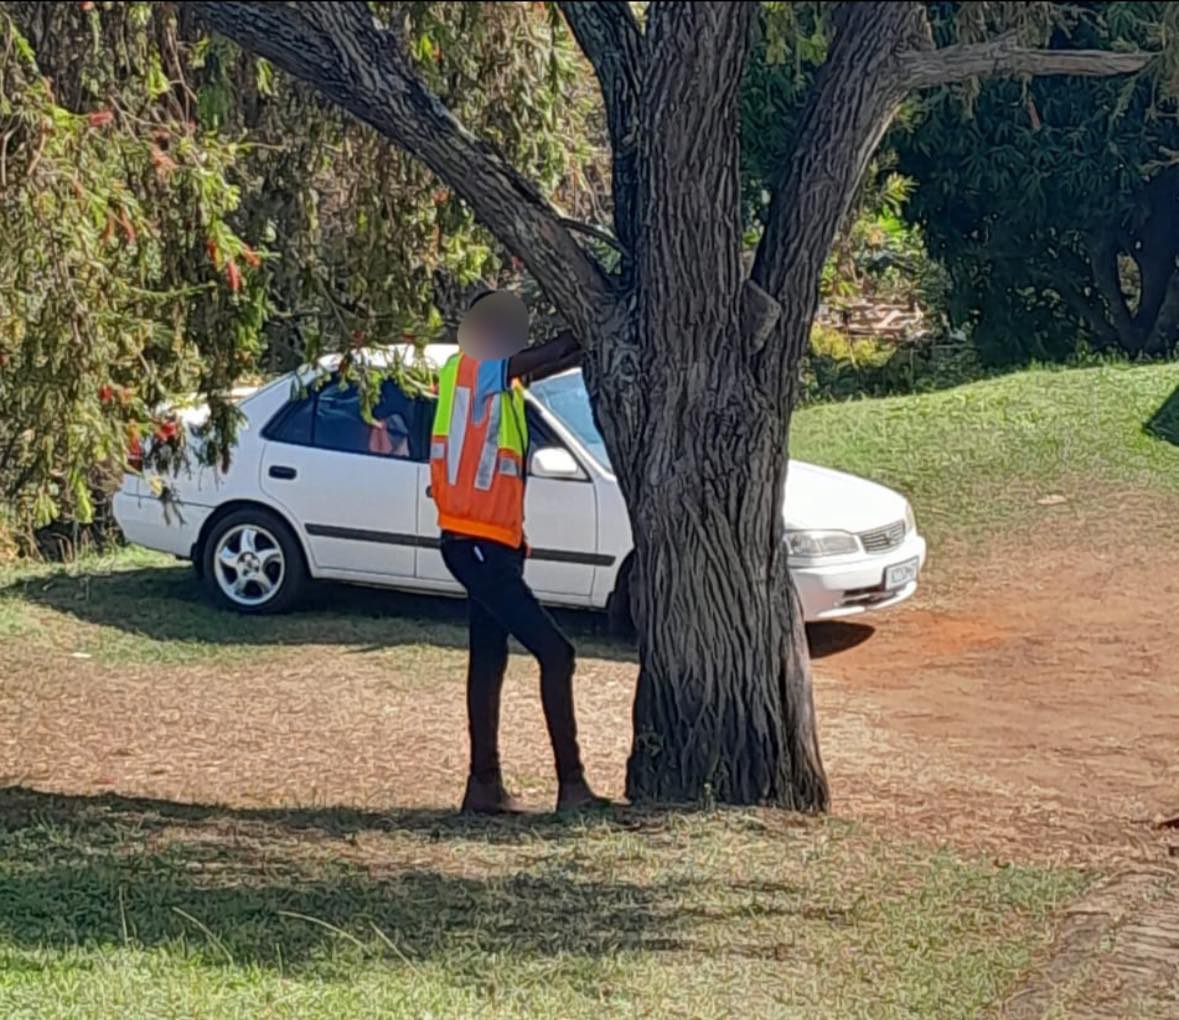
[(460, 410), (490, 452)]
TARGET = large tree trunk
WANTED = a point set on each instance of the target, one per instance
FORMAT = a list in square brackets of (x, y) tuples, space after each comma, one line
[(723, 707), (698, 438), (695, 405)]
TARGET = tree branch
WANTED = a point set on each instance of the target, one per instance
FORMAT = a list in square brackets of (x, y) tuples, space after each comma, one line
[(1005, 57), (689, 173), (854, 97), (591, 231), (1166, 324), (1103, 259), (341, 50), (609, 36), (759, 315)]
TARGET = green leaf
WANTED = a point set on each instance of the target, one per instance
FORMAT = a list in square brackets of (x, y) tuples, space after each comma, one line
[(264, 77), (157, 82)]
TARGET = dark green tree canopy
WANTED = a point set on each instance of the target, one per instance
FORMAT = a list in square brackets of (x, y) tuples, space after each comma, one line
[(1054, 202)]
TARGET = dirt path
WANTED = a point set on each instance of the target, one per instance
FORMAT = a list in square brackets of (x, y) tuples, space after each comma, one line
[(1045, 695), (1027, 702), (1116, 954)]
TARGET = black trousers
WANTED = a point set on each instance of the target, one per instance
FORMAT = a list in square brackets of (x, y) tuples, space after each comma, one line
[(501, 604)]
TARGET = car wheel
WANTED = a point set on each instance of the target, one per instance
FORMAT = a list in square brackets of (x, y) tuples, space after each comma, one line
[(619, 612), (252, 563)]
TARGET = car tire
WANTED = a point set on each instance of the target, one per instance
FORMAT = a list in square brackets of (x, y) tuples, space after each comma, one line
[(619, 611), (252, 563)]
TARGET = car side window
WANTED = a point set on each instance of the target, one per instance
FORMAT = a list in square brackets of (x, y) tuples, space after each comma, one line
[(339, 425), (293, 423)]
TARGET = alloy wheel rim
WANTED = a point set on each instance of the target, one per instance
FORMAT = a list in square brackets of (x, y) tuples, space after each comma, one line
[(249, 565)]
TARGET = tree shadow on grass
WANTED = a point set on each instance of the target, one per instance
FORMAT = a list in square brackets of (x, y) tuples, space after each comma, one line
[(293, 889), (1164, 423), (170, 604)]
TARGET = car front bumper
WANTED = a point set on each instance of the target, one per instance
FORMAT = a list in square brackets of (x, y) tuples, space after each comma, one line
[(143, 521), (856, 585)]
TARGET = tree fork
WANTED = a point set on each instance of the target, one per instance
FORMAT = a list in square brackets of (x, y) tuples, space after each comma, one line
[(691, 367)]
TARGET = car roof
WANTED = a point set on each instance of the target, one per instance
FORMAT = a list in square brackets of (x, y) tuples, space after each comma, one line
[(434, 355)]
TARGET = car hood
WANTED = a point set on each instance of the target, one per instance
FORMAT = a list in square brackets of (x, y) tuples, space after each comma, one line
[(822, 498)]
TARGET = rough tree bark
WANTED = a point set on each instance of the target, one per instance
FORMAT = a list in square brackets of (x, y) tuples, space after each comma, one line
[(691, 367), (701, 449)]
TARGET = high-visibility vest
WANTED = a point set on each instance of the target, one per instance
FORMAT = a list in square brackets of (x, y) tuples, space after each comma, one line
[(477, 457)]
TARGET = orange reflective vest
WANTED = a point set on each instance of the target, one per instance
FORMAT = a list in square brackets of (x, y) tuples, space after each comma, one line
[(477, 456)]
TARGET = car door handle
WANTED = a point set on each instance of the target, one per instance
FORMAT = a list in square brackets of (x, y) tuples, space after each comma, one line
[(282, 471)]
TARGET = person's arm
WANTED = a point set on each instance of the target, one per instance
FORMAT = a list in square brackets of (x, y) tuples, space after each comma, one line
[(535, 363)]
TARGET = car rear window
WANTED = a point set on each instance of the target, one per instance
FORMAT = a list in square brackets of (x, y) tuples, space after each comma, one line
[(330, 418)]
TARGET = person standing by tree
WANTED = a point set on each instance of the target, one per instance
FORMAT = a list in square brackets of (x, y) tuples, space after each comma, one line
[(477, 476)]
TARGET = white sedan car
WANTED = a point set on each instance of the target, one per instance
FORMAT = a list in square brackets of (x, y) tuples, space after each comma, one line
[(315, 491)]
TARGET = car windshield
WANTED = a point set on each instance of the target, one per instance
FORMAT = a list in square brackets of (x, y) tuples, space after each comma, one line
[(565, 398)]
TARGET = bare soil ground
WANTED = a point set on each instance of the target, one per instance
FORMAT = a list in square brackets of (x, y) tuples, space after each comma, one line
[(1025, 705), (1032, 698), (1027, 700)]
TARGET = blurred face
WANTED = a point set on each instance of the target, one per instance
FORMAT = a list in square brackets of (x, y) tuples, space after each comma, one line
[(490, 339), (495, 327)]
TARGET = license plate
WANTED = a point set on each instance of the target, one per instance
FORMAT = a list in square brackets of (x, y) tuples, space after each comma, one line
[(900, 574)]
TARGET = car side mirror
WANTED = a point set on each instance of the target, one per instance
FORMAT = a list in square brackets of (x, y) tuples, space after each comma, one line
[(555, 462)]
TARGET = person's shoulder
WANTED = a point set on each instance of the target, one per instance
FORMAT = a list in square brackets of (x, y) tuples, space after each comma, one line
[(492, 374)]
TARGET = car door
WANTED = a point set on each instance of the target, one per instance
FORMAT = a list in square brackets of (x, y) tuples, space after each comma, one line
[(351, 485), (560, 523)]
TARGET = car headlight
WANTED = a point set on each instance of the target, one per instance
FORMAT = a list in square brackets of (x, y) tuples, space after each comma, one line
[(815, 544), (910, 520)]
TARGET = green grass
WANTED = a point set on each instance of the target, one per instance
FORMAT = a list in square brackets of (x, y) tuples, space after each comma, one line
[(978, 457), (134, 606), (138, 607), (112, 908)]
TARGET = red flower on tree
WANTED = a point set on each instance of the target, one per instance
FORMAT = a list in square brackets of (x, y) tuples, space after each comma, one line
[(134, 448), (163, 163)]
